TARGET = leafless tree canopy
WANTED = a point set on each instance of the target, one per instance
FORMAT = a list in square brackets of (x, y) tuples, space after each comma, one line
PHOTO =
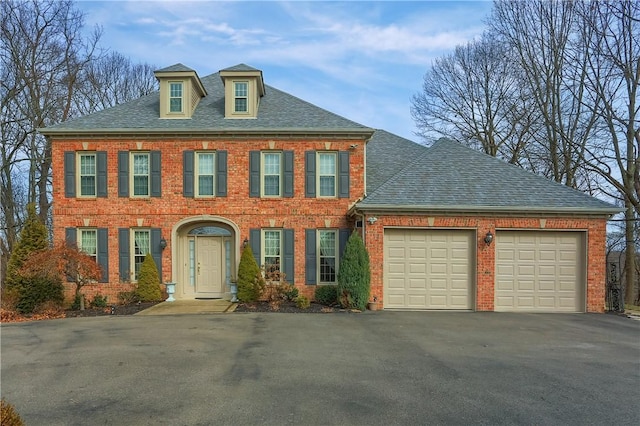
[(50, 71), (553, 87)]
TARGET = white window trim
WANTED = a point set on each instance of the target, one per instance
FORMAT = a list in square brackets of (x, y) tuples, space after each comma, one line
[(79, 233), (182, 98), (132, 175), (262, 246), (246, 97), (335, 175), (79, 175), (262, 174), (132, 250), (197, 174), (336, 233)]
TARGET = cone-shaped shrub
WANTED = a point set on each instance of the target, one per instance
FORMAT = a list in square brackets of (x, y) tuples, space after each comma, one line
[(354, 275), (250, 281), (148, 288), (31, 288), (33, 237)]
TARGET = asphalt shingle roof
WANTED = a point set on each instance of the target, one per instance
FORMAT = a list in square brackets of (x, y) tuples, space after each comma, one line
[(278, 111), (451, 177)]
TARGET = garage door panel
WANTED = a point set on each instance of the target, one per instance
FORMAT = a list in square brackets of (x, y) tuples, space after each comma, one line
[(437, 271), (544, 274)]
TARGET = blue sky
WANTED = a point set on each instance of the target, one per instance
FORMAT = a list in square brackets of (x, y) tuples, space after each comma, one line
[(362, 60)]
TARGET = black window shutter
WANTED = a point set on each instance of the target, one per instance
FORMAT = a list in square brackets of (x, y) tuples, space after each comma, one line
[(254, 241), (103, 253), (342, 241), (69, 174), (288, 255), (156, 250), (310, 174), (101, 173), (310, 257), (221, 173), (254, 173), (71, 236), (188, 165), (156, 174), (288, 174), (343, 167), (124, 255), (123, 173)]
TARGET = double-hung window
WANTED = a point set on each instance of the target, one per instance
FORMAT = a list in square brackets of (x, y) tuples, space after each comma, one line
[(141, 246), (327, 174), (327, 256), (205, 167), (241, 96), (88, 242), (175, 96), (272, 249), (271, 174), (87, 174), (140, 176)]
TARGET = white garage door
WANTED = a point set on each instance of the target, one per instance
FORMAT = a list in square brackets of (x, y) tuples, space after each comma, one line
[(539, 271), (428, 269)]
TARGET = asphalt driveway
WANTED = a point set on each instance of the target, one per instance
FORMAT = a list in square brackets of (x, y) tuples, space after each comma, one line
[(313, 369)]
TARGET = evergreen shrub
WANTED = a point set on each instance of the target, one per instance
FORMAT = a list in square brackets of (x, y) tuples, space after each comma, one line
[(354, 275), (148, 287), (251, 284), (8, 415), (326, 295)]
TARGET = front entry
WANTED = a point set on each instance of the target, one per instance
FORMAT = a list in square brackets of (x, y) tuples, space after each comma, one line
[(209, 277), (207, 259)]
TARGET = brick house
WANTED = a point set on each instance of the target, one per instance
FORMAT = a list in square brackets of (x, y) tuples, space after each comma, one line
[(196, 170)]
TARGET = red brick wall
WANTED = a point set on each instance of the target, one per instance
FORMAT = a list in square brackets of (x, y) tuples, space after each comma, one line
[(485, 264), (113, 212)]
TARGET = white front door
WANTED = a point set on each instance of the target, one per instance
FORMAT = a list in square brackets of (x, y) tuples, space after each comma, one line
[(209, 267)]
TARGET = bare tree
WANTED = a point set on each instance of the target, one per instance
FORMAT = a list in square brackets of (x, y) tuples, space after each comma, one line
[(611, 33), (473, 96), (42, 53), (113, 79), (49, 72), (541, 32)]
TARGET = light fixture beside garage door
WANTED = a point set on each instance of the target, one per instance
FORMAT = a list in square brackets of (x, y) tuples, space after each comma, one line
[(488, 239)]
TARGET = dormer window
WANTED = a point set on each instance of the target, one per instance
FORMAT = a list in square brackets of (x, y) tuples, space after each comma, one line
[(241, 96), (175, 96), (243, 88), (180, 92)]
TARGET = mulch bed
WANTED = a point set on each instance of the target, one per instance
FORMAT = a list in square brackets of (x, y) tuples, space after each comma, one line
[(130, 309), (291, 308)]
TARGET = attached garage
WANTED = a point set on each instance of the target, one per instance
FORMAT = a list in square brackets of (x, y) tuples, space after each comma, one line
[(429, 269), (540, 271)]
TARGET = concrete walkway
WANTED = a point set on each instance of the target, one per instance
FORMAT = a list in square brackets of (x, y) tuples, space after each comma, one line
[(180, 307)]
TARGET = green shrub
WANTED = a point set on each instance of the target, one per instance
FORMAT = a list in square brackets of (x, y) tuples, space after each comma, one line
[(33, 237), (99, 301), (77, 302), (354, 275), (148, 287), (8, 415), (326, 295), (250, 281), (303, 302), (37, 290)]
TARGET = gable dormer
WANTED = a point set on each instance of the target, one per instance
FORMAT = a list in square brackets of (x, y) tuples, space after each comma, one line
[(180, 91), (243, 88)]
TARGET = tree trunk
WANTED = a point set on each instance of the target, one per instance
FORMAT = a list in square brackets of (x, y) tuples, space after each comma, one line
[(630, 257)]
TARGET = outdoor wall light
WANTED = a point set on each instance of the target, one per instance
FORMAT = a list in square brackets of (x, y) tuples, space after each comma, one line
[(488, 238), (372, 220), (163, 243), (245, 242)]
